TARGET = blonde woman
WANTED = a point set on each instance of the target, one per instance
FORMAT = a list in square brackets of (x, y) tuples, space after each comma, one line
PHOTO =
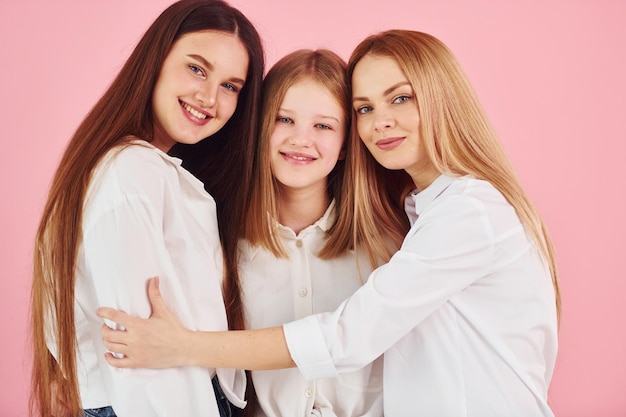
[(465, 312)]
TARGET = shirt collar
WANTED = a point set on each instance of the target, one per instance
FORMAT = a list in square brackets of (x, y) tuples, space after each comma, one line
[(323, 223), (417, 200), (166, 157), (177, 163)]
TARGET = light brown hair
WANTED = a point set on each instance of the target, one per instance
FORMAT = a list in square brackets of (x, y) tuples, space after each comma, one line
[(329, 70)]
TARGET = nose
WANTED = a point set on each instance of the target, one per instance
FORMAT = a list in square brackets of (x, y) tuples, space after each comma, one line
[(207, 95), (383, 120), (300, 137)]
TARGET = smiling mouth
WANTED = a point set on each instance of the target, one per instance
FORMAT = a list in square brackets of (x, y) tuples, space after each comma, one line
[(388, 141), (297, 157), (388, 144), (195, 113)]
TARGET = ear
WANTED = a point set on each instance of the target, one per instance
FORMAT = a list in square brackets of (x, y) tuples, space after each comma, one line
[(342, 154)]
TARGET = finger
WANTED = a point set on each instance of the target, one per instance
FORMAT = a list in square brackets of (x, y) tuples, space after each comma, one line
[(123, 361), (116, 316), (116, 362), (159, 309), (113, 336), (116, 349)]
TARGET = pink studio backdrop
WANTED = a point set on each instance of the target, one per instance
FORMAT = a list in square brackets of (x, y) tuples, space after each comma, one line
[(551, 77)]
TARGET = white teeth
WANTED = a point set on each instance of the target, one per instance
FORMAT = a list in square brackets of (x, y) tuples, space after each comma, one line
[(299, 158), (194, 112)]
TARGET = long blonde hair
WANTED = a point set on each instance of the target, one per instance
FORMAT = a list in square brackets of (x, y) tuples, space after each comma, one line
[(457, 136), (329, 70), (123, 111)]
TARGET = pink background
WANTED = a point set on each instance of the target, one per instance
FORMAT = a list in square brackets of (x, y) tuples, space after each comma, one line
[(550, 74)]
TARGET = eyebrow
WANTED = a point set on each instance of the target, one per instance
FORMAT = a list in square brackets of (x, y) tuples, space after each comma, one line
[(211, 67), (329, 118), (387, 91), (288, 112)]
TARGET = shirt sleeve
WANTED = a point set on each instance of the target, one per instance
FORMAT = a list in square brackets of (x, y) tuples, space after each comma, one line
[(123, 247), (448, 248)]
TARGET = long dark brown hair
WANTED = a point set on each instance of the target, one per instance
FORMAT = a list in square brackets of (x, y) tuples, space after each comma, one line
[(125, 111), (223, 163)]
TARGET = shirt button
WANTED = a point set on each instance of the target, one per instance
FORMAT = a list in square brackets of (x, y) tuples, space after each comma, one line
[(308, 392), (299, 243), (303, 292)]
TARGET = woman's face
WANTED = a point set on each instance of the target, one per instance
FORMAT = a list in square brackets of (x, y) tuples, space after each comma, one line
[(198, 87), (308, 136), (387, 117)]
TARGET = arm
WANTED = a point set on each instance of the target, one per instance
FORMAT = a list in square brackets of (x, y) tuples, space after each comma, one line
[(125, 241), (446, 251), (449, 250), (162, 342)]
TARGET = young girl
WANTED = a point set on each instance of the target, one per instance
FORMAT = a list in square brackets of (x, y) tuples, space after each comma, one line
[(297, 259), (120, 208), (465, 312)]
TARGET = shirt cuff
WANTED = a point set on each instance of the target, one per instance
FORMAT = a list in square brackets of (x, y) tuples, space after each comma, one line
[(233, 384), (308, 349)]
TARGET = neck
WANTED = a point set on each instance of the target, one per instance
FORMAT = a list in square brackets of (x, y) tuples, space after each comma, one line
[(300, 208), (423, 176)]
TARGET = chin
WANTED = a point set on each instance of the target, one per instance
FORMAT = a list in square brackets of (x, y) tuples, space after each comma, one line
[(193, 140), (392, 165)]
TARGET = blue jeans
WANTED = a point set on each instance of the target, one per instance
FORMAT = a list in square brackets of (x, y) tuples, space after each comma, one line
[(223, 405), (222, 402), (100, 412)]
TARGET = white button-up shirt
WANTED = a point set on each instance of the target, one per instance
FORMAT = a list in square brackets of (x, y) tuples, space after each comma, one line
[(144, 216), (278, 290), (464, 313)]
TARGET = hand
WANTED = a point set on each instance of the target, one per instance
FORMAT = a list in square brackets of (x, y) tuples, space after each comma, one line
[(160, 341)]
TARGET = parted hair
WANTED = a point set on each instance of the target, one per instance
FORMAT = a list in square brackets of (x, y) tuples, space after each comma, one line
[(457, 136), (124, 111), (327, 69)]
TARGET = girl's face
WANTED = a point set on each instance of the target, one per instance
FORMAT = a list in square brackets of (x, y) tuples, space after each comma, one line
[(388, 119), (198, 86), (308, 136)]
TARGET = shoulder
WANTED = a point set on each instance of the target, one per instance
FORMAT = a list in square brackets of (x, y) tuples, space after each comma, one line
[(135, 158), (472, 188), (471, 193), (469, 203), (135, 170), (136, 163)]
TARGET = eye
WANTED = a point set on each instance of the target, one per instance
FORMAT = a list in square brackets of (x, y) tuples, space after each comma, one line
[(401, 99), (231, 87), (282, 119), (196, 69), (364, 109), (323, 126)]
